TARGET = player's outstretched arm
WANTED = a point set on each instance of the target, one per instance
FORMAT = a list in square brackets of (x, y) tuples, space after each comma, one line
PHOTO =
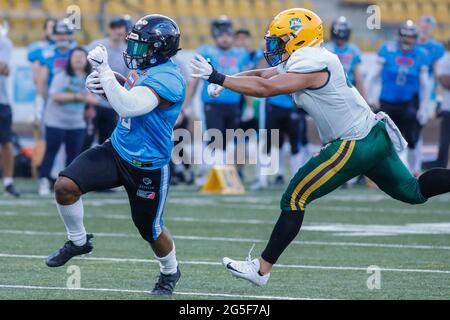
[(127, 103), (255, 86)]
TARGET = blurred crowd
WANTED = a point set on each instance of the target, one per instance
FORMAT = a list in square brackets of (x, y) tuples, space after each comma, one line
[(412, 71)]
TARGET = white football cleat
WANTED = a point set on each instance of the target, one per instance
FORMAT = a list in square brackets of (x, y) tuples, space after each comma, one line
[(248, 270)]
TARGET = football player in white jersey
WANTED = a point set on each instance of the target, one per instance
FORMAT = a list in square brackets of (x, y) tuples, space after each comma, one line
[(356, 140)]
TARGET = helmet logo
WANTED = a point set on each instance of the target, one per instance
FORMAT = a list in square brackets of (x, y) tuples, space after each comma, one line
[(133, 36), (142, 22), (295, 24)]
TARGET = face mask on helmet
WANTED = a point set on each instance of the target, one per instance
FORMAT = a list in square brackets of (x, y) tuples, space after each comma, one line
[(142, 55), (275, 53)]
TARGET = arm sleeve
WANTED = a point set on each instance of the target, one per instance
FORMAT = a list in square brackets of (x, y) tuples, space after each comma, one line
[(5, 51), (128, 103), (443, 67)]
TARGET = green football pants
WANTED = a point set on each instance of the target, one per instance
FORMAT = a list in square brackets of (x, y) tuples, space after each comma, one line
[(342, 160)]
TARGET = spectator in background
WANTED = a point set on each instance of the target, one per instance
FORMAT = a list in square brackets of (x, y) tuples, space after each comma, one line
[(35, 49), (64, 114), (223, 112), (348, 53), (105, 119), (443, 76), (403, 68), (6, 47), (243, 39)]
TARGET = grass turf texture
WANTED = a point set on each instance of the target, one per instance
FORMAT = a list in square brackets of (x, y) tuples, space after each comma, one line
[(328, 260)]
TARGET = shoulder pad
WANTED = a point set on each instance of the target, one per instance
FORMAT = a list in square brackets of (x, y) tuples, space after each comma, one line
[(306, 60)]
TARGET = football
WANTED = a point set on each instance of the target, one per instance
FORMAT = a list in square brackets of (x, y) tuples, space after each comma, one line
[(120, 78)]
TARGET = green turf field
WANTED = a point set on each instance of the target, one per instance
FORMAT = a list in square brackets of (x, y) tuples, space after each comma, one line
[(343, 235)]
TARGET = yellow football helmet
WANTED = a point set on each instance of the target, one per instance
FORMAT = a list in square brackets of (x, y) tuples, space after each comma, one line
[(291, 30)]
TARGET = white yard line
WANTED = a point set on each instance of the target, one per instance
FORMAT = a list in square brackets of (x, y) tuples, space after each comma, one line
[(240, 240), (183, 293), (210, 263)]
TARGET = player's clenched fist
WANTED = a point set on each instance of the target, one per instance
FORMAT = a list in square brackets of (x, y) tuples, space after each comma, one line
[(98, 58), (214, 90), (93, 83)]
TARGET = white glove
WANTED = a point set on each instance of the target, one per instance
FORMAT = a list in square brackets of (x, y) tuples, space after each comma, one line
[(38, 109), (214, 90), (93, 83), (247, 115), (98, 58), (201, 67), (425, 113)]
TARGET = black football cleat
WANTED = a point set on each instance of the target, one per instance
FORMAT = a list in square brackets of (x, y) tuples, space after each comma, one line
[(166, 284), (11, 191), (68, 251)]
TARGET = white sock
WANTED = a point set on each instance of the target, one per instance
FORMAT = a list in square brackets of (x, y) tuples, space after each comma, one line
[(168, 264), (7, 181), (72, 216)]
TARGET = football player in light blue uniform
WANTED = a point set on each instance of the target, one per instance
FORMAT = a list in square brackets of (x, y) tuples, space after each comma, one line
[(52, 59), (34, 54), (138, 154), (403, 68), (348, 53), (434, 49)]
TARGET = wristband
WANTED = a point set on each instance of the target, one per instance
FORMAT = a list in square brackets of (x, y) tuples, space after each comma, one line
[(216, 78)]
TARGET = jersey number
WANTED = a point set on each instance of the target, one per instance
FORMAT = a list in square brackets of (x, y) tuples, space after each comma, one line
[(126, 123), (402, 76)]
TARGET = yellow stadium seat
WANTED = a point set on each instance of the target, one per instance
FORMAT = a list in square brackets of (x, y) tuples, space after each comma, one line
[(230, 8), (260, 9), (89, 6), (412, 11), (20, 4), (442, 13), (245, 9), (53, 6)]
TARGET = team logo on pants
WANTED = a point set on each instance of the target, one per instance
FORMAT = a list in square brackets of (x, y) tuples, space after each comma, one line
[(149, 195)]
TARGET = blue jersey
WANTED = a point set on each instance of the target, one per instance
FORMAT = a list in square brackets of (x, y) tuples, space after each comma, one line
[(228, 62), (283, 101), (255, 57), (54, 60), (35, 50), (400, 77), (435, 50), (146, 141), (350, 57)]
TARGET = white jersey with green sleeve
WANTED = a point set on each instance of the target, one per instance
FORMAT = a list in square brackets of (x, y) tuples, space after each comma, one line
[(337, 108)]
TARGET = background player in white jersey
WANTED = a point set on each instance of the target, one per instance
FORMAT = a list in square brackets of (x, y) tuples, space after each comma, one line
[(356, 140), (138, 154)]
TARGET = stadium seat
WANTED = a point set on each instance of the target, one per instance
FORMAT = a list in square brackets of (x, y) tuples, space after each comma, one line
[(442, 13)]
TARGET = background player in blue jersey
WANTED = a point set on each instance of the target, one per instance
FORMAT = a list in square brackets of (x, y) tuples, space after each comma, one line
[(53, 59), (403, 68), (434, 48), (222, 112), (435, 51), (35, 49), (138, 154), (348, 53)]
